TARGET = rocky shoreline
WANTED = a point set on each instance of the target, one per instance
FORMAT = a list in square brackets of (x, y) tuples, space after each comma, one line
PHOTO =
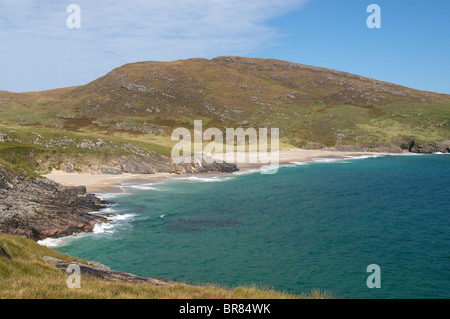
[(408, 145), (39, 208), (104, 273), (138, 164)]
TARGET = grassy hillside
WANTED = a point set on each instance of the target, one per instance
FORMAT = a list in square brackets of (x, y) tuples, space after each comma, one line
[(313, 107), (28, 275)]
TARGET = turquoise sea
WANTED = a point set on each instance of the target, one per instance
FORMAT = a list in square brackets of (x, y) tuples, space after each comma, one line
[(310, 226)]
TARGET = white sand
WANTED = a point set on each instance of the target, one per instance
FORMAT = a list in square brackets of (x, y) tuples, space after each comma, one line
[(103, 182), (99, 182)]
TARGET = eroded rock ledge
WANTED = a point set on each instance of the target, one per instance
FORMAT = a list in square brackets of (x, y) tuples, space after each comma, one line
[(408, 145), (103, 272), (136, 164), (38, 208)]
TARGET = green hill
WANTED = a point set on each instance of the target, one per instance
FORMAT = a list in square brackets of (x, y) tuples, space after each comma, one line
[(313, 107)]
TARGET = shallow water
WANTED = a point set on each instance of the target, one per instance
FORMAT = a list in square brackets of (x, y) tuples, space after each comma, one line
[(315, 225)]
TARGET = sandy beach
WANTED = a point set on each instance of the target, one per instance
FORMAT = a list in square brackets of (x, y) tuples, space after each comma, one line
[(100, 182), (105, 182)]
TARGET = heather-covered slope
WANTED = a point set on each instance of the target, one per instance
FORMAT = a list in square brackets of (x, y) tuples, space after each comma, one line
[(135, 107)]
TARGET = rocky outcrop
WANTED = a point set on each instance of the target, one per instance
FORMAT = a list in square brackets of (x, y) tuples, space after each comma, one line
[(436, 147), (38, 208), (107, 157), (405, 145), (97, 270), (376, 149), (4, 253), (137, 164)]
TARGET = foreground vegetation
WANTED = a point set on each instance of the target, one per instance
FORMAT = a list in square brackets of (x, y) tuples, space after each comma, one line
[(28, 275)]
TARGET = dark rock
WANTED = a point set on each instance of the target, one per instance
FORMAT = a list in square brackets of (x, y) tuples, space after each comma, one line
[(371, 148), (140, 164), (406, 144), (39, 208), (3, 253), (436, 147), (102, 272)]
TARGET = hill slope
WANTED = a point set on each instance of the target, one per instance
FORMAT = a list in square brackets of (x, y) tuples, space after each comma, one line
[(141, 103)]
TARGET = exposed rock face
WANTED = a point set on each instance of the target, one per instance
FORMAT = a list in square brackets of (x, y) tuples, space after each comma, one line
[(4, 253), (40, 208), (437, 147), (98, 270), (149, 164), (406, 145), (378, 149)]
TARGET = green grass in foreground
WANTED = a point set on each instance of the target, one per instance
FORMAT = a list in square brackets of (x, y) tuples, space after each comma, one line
[(28, 276)]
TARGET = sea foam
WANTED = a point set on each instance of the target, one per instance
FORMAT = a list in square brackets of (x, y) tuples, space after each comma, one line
[(205, 179), (114, 221)]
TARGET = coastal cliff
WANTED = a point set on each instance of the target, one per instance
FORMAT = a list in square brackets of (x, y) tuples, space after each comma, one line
[(138, 164), (38, 208)]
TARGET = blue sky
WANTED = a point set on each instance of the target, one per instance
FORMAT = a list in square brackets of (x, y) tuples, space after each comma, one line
[(38, 51)]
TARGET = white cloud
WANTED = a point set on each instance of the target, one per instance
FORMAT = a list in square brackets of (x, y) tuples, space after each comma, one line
[(34, 35)]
